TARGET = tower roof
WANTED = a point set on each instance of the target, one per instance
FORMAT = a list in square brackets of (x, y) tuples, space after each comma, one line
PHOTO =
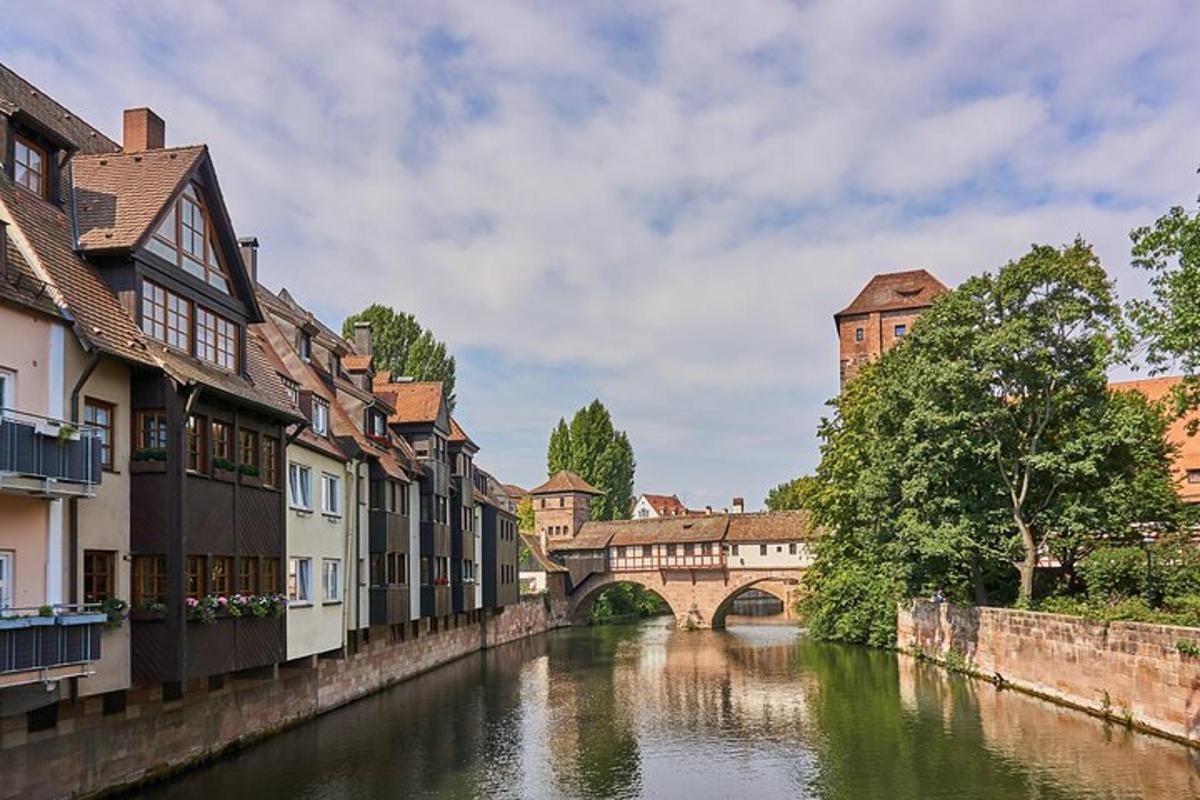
[(890, 291), (565, 481)]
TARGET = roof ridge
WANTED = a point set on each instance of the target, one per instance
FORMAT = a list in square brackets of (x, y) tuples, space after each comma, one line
[(138, 153)]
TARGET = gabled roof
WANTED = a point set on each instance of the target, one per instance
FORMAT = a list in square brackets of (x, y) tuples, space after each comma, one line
[(514, 491), (457, 434), (356, 363), (20, 98), (665, 504), (676, 529), (534, 560), (891, 291), (566, 481), (771, 526), (591, 536), (118, 196), (414, 402)]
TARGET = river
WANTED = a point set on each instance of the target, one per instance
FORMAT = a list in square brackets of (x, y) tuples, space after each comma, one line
[(642, 711)]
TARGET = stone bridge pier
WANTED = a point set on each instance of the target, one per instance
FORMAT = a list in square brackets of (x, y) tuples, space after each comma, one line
[(698, 598)]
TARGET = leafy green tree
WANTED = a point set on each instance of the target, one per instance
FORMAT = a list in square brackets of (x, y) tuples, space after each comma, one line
[(593, 449), (525, 515), (1169, 321), (401, 346), (988, 436), (558, 455), (791, 495)]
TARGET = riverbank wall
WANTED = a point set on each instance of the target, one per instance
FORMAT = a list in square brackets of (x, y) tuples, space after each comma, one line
[(1131, 672), (94, 750)]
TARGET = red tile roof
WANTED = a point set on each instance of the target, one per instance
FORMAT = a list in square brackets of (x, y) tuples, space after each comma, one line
[(356, 363), (565, 481), (665, 504), (457, 434), (677, 529), (891, 291), (118, 196), (770, 526), (19, 97), (412, 402)]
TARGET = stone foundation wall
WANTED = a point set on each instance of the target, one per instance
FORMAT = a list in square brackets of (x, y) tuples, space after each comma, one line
[(90, 752), (1129, 671)]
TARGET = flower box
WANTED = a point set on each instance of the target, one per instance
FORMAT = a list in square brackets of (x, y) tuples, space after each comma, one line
[(81, 618), (12, 623), (227, 475), (139, 467), (250, 480)]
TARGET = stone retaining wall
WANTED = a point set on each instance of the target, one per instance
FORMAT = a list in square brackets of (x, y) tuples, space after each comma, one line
[(1129, 671), (90, 752)]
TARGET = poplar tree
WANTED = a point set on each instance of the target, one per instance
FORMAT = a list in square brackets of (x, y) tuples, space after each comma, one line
[(593, 449)]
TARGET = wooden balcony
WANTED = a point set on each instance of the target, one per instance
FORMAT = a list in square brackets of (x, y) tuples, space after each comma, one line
[(47, 457), (435, 601)]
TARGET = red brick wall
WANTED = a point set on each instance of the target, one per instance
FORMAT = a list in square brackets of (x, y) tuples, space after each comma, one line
[(1122, 669), (88, 752)]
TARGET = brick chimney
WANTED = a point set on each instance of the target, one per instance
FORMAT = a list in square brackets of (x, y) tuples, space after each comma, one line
[(249, 247), (739, 505), (362, 337), (144, 130)]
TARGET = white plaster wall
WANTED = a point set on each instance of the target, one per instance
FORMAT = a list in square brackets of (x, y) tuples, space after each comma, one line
[(778, 556)]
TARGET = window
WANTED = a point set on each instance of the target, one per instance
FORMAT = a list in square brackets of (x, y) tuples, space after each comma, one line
[(220, 574), (194, 576), (858, 334), (270, 462), (562, 501), (292, 388), (304, 345), (792, 549), (901, 330), (320, 420), (179, 323), (197, 453), (166, 317), (300, 579), (222, 442), (421, 449), (1193, 476), (248, 575), (99, 567), (149, 580), (186, 238), (671, 549), (647, 551), (8, 389), (30, 161), (248, 448), (762, 549), (332, 579), (378, 424), (689, 549), (269, 576), (6, 579), (150, 430), (99, 415), (735, 550), (300, 486), (331, 494), (376, 569), (443, 510), (216, 339)]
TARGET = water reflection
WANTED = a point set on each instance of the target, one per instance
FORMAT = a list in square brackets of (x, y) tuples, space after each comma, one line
[(647, 711)]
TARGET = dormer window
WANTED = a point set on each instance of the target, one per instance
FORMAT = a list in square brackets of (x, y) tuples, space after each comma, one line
[(305, 345), (378, 424), (186, 238), (292, 388), (320, 416), (30, 162)]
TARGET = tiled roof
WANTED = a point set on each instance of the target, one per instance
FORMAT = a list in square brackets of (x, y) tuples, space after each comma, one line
[(770, 526), (457, 434), (265, 334), (356, 363), (20, 286), (534, 560), (665, 504), (42, 233), (18, 96), (412, 402), (514, 491), (708, 528), (592, 536), (118, 196), (892, 291), (565, 481)]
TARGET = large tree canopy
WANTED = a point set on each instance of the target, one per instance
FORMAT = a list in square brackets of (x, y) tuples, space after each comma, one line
[(988, 436), (593, 449), (400, 345)]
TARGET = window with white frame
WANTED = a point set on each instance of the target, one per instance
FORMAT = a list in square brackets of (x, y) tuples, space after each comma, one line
[(300, 486), (300, 580), (6, 579), (8, 389), (331, 577), (331, 494), (320, 416)]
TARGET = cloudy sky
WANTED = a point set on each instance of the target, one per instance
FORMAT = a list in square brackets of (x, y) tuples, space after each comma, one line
[(660, 204)]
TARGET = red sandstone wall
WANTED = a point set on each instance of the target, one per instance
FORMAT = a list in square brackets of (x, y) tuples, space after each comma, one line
[(1124, 669), (88, 751)]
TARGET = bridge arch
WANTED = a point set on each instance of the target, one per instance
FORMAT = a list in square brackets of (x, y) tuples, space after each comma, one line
[(779, 588), (697, 598)]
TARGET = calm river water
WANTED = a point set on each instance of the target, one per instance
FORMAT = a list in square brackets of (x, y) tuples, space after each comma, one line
[(754, 712)]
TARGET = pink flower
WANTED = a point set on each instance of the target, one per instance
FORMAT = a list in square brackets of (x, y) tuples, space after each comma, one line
[(192, 602), (222, 600)]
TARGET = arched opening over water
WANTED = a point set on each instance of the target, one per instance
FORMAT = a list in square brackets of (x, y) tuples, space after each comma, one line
[(620, 601), (756, 602)]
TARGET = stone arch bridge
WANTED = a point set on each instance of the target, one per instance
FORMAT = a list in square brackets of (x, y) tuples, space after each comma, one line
[(698, 598)]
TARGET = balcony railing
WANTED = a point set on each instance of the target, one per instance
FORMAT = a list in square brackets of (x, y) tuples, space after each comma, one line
[(44, 648), (46, 456)]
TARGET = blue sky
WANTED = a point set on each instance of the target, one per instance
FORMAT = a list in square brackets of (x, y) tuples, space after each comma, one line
[(660, 204)]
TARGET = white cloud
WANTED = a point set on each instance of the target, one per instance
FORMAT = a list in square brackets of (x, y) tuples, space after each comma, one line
[(664, 210)]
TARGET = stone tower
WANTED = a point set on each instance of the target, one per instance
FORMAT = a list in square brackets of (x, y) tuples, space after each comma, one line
[(560, 507), (881, 315)]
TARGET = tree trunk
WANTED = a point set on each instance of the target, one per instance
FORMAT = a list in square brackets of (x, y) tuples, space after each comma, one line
[(981, 596), (1029, 563)]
